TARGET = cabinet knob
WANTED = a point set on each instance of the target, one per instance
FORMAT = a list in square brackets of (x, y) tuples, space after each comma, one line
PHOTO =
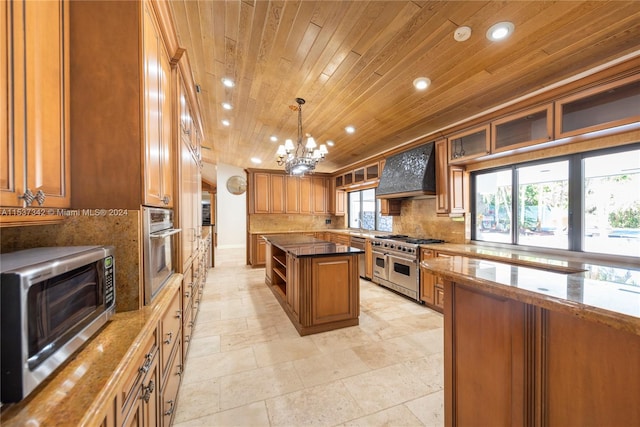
[(28, 197), (40, 196), (166, 199), (168, 340)]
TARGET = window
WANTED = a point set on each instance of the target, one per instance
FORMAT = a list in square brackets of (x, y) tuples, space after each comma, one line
[(612, 203), (530, 204), (364, 212)]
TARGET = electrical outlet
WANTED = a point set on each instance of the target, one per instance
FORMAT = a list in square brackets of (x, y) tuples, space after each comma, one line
[(327, 221)]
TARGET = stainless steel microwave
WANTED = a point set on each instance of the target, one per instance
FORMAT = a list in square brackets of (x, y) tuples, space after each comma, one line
[(52, 300)]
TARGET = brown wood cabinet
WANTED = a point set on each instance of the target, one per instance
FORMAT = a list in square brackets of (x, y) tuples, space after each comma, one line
[(512, 363), (258, 250), (317, 293), (138, 393), (189, 204), (431, 285), (35, 117), (523, 129), (469, 144), (601, 107), (124, 137), (158, 158), (277, 193), (390, 207), (452, 183)]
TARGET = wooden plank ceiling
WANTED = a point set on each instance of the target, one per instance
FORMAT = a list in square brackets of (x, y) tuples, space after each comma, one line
[(354, 63)]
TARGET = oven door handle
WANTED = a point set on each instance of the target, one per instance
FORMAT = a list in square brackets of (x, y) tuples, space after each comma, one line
[(164, 234)]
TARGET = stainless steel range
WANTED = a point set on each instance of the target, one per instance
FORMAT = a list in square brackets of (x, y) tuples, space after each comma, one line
[(395, 263)]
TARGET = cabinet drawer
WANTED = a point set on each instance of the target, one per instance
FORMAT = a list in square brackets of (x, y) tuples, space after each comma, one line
[(170, 389), (170, 329), (136, 375)]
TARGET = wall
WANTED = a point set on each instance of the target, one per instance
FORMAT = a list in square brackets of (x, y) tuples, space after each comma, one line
[(231, 216)]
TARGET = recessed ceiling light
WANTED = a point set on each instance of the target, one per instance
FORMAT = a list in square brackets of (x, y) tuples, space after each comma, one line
[(330, 143), (256, 160), (421, 83), (273, 138), (350, 129), (500, 31), (227, 106), (226, 122), (228, 82)]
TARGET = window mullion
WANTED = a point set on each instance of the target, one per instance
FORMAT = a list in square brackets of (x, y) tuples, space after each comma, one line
[(515, 194)]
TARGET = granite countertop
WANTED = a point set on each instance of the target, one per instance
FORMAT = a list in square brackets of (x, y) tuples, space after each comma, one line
[(605, 299), (303, 246), (78, 392)]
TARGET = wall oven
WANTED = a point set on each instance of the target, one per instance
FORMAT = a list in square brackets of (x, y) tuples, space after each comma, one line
[(158, 249), (52, 300)]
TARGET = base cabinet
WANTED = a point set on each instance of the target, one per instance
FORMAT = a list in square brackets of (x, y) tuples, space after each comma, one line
[(508, 363)]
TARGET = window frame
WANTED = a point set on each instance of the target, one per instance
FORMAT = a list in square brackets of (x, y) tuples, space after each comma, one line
[(377, 213), (576, 189)]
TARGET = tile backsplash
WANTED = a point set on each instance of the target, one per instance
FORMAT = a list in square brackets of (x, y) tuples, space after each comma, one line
[(122, 231)]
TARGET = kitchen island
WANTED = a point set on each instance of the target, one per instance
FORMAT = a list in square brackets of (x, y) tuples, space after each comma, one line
[(316, 282), (530, 346)]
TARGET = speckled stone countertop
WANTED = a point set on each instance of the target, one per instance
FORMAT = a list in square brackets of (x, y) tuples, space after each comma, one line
[(79, 391), (303, 246), (603, 294)]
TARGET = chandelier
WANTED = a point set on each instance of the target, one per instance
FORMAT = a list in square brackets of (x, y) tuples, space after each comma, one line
[(300, 158)]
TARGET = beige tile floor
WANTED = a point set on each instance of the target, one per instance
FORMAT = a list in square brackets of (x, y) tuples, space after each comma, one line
[(247, 365)]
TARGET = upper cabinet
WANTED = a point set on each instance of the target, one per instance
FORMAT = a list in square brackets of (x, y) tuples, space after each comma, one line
[(530, 127), (605, 106), (361, 175), (469, 144), (451, 183), (275, 193), (123, 131), (158, 182), (34, 118)]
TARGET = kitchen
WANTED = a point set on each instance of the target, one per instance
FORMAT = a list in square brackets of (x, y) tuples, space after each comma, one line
[(97, 184)]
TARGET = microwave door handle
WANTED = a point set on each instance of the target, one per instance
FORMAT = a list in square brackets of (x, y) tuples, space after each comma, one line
[(164, 234)]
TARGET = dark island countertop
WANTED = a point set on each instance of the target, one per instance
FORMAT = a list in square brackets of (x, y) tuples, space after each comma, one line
[(303, 246)]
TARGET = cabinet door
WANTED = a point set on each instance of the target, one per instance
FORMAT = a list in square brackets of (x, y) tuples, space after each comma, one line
[(261, 192), (277, 194), (157, 111), (292, 185), (486, 387), (469, 144), (524, 129), (442, 177), (368, 259), (35, 115), (427, 279), (319, 192), (305, 197), (188, 204)]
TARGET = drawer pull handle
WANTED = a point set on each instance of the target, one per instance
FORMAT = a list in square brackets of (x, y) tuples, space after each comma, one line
[(168, 340), (179, 373), (148, 359), (178, 314), (170, 411), (147, 391)]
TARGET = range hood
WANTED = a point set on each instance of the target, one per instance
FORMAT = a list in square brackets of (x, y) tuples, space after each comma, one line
[(409, 174)]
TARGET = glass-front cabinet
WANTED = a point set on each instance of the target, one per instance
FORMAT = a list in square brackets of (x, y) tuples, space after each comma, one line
[(530, 127), (602, 107), (469, 144)]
